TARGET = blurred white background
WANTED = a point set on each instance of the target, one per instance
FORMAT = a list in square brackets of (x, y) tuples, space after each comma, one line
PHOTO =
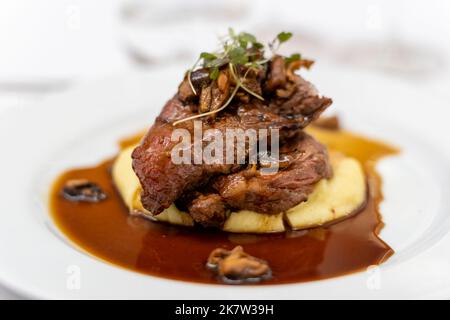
[(47, 46)]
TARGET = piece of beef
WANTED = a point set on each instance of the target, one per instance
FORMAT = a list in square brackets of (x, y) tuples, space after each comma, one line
[(307, 163), (294, 96), (277, 74), (163, 181), (303, 102), (208, 209)]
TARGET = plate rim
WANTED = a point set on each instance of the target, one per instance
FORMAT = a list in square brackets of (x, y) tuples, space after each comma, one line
[(16, 285)]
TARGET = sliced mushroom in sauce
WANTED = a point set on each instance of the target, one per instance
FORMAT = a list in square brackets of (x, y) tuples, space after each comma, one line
[(236, 266), (81, 190)]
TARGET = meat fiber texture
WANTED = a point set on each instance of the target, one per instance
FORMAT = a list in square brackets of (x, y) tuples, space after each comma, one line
[(209, 191)]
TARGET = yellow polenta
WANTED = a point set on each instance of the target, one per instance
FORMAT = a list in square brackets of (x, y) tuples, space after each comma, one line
[(331, 199)]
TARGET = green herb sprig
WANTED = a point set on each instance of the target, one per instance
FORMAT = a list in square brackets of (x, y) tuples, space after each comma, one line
[(237, 49)]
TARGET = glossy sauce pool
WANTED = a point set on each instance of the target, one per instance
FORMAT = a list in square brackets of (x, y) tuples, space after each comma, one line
[(107, 231)]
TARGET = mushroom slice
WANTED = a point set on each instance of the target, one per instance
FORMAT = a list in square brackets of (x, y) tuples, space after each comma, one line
[(236, 266), (81, 190), (295, 65), (205, 99)]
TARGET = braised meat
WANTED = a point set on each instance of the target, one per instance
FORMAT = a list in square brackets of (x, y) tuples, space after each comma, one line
[(210, 210), (305, 162), (247, 189), (164, 181), (290, 103)]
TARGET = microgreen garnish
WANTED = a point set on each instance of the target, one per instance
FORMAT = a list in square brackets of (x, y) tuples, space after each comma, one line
[(238, 55), (239, 51), (284, 36), (281, 38), (293, 57), (214, 74), (208, 56)]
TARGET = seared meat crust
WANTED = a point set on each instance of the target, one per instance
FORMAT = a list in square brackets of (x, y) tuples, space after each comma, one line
[(164, 182), (249, 190), (307, 163)]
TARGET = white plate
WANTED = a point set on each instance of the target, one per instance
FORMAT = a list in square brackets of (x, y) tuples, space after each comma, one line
[(82, 127)]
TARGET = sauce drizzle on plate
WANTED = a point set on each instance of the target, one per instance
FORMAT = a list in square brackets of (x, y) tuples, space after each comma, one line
[(107, 231)]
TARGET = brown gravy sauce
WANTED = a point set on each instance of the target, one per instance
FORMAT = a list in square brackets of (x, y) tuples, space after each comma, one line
[(107, 231)]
